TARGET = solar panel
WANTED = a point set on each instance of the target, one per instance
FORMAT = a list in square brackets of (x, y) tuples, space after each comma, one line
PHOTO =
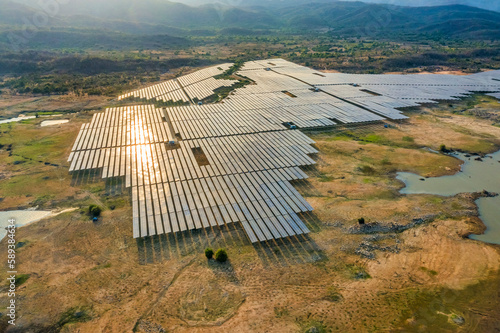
[(206, 166)]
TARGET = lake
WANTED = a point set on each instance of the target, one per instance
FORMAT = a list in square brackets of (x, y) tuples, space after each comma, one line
[(475, 176)]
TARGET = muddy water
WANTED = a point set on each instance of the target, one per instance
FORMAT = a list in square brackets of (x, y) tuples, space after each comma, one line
[(475, 176)]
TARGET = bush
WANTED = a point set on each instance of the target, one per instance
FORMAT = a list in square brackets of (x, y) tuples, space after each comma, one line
[(443, 149), (385, 161), (367, 170), (333, 295), (21, 278), (361, 220), (91, 207), (95, 210), (209, 253), (221, 255)]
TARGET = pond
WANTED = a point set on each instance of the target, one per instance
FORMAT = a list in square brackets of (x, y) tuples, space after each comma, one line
[(477, 174), (53, 122), (11, 120), (22, 217)]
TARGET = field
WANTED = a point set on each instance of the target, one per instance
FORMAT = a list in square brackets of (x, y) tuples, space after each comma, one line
[(410, 268)]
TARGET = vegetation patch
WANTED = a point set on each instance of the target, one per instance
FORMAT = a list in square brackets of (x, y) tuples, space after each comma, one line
[(227, 75), (333, 295), (74, 315), (281, 311), (221, 255), (429, 271), (94, 210), (209, 253), (366, 170), (313, 326), (323, 178), (21, 279), (102, 266), (357, 272)]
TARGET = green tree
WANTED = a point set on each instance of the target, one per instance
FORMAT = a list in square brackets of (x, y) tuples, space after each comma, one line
[(95, 210), (209, 253), (221, 255)]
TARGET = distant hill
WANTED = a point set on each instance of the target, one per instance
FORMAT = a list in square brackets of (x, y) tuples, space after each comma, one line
[(484, 4), (356, 18), (12, 13), (88, 38), (347, 18), (164, 12)]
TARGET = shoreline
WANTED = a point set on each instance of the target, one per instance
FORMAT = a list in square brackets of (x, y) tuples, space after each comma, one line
[(48, 214), (472, 196)]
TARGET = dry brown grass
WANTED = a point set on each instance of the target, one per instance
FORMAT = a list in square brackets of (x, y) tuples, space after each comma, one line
[(13, 105), (284, 286)]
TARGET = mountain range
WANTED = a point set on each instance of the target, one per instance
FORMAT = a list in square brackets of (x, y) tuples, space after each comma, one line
[(484, 4), (345, 18)]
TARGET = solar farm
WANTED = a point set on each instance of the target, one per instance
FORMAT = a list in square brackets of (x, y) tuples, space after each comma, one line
[(206, 165)]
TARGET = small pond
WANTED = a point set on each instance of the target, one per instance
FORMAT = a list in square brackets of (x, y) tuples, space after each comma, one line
[(475, 176), (22, 217), (11, 120), (53, 122)]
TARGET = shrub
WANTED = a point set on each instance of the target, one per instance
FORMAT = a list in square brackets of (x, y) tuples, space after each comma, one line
[(367, 170), (21, 278), (91, 207), (361, 220), (357, 272), (95, 210), (333, 295), (443, 149), (209, 253), (221, 255)]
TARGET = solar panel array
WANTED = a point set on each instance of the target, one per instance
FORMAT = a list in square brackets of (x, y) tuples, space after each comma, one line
[(199, 84), (206, 166), (243, 178)]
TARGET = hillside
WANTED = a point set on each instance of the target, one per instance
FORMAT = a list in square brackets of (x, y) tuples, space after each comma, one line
[(152, 17), (484, 4), (12, 13), (164, 12), (88, 38), (356, 18), (159, 24)]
